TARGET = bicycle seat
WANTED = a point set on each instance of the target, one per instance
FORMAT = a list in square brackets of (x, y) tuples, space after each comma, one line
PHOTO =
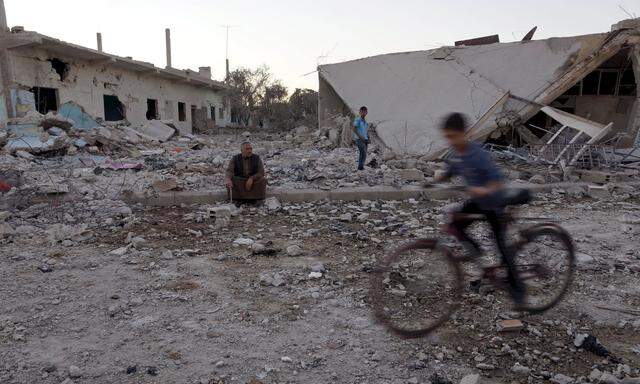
[(517, 196)]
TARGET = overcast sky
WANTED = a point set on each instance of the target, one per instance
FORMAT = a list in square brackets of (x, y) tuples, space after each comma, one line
[(293, 36)]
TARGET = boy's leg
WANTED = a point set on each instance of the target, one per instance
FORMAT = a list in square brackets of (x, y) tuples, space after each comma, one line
[(459, 226), (499, 230), (361, 154)]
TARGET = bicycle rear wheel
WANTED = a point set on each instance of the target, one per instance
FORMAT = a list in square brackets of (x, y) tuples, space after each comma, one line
[(415, 288), (545, 262)]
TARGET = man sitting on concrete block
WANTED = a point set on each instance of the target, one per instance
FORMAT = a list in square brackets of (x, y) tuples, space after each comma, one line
[(245, 176)]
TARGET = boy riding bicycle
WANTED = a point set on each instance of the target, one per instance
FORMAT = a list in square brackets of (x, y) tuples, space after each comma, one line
[(486, 187)]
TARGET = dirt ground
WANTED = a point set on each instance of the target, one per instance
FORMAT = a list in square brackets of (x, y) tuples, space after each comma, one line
[(200, 314)]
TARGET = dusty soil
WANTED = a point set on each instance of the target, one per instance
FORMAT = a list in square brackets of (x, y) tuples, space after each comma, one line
[(201, 314)]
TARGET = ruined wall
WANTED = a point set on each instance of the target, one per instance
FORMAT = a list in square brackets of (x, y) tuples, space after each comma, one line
[(606, 109), (330, 105), (87, 82)]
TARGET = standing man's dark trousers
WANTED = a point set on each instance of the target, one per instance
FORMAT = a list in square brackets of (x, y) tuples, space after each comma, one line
[(362, 149)]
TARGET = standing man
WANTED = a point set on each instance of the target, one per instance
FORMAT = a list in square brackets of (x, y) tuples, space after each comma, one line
[(245, 178), (361, 136)]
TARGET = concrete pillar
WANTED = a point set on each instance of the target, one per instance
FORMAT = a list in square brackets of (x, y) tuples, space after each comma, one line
[(99, 38), (168, 40), (3, 17)]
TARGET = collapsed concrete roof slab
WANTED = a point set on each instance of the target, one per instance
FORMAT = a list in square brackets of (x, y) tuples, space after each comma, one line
[(408, 93)]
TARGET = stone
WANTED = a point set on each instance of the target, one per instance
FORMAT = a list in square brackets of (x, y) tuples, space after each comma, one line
[(165, 185), (583, 259), (294, 250), (243, 241), (138, 242), (512, 325), (485, 367), (257, 247), (275, 280), (315, 275), (346, 217), (537, 179), (120, 251), (411, 175), (630, 380), (579, 339), (272, 204), (25, 155), (318, 267), (470, 379), (520, 369), (561, 379), (75, 372), (607, 378)]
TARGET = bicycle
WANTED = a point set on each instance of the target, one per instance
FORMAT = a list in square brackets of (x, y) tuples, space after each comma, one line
[(413, 293)]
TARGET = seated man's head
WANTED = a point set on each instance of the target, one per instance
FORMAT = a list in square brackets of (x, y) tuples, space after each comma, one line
[(246, 149), (454, 127)]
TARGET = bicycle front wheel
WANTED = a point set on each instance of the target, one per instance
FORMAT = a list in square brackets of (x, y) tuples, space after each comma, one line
[(415, 288), (545, 262)]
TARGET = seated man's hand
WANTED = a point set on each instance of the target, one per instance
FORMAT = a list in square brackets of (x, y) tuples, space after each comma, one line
[(229, 184), (249, 184)]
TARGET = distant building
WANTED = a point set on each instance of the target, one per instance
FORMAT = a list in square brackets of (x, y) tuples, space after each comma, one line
[(46, 74)]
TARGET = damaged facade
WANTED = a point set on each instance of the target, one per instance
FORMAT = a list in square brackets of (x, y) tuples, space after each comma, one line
[(502, 87), (43, 74)]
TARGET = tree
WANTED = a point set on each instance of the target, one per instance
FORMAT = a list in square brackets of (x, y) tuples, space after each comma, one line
[(247, 91), (256, 97), (304, 105)]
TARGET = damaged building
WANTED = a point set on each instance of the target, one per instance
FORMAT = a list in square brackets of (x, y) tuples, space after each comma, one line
[(91, 87), (553, 97)]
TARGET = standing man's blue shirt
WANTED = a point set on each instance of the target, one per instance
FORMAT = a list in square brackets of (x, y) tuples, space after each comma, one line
[(478, 169), (363, 128)]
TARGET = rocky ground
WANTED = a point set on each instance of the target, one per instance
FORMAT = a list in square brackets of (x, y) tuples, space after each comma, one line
[(95, 291)]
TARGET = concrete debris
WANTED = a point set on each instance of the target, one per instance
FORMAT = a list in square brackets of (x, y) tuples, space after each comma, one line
[(55, 120), (156, 130), (510, 325), (598, 192), (272, 204), (165, 185), (294, 250)]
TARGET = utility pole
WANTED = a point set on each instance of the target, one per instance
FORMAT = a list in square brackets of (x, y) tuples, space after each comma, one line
[(227, 27)]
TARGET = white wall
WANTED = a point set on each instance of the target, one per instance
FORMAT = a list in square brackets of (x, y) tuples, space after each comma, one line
[(87, 82)]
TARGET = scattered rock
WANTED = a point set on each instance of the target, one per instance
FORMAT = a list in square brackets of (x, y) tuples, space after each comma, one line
[(470, 379), (75, 372), (294, 250), (538, 179), (561, 379)]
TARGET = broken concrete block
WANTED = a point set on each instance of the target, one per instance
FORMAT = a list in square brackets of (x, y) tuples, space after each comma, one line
[(411, 175), (538, 179), (165, 185), (272, 204), (513, 325), (598, 192), (157, 130), (470, 379), (53, 119), (81, 120), (25, 155)]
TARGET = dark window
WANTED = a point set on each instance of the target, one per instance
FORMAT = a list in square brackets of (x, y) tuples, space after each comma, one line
[(575, 90), (221, 113), (628, 85), (46, 99), (61, 68), (591, 83), (152, 109), (182, 112), (608, 82), (213, 113), (113, 109), (193, 116)]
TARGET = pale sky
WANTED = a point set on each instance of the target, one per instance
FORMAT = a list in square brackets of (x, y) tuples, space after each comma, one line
[(293, 36)]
